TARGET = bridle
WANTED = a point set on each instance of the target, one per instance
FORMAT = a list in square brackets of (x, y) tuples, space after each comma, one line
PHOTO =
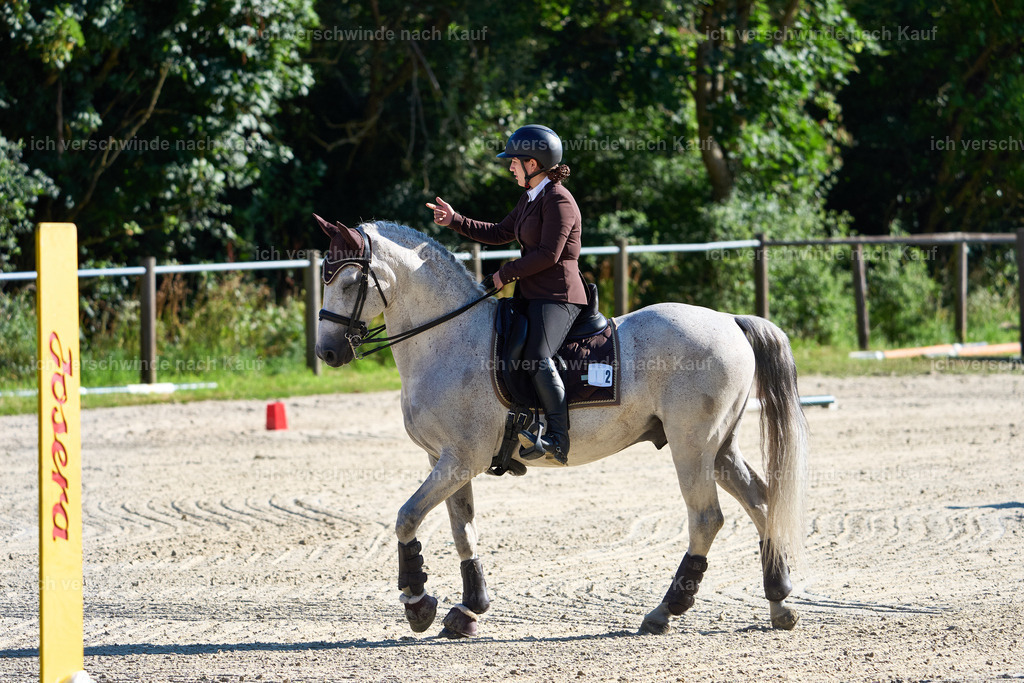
[(357, 332)]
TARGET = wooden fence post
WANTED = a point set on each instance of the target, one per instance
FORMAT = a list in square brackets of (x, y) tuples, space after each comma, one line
[(1020, 284), (761, 277), (860, 292), (312, 278), (478, 264), (961, 292), (622, 277), (147, 315)]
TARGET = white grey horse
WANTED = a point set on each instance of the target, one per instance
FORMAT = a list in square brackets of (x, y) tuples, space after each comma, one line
[(685, 372)]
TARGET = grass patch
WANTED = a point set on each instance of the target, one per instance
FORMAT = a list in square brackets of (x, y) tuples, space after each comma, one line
[(835, 361), (255, 384), (228, 329)]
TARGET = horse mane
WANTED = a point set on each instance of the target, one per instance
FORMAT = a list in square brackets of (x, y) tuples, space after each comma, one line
[(411, 237)]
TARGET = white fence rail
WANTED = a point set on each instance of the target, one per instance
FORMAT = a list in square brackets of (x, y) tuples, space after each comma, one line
[(620, 251), (305, 263)]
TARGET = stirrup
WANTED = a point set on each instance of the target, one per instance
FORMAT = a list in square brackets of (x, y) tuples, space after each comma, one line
[(534, 446), (531, 444)]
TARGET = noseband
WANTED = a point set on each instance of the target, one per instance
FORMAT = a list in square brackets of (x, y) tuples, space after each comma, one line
[(357, 332)]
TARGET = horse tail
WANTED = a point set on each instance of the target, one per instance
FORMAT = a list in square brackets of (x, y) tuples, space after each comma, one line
[(783, 437)]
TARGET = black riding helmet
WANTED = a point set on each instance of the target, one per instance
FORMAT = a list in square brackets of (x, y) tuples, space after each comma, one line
[(534, 142)]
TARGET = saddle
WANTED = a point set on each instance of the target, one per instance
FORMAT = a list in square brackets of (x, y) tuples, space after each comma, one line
[(587, 362)]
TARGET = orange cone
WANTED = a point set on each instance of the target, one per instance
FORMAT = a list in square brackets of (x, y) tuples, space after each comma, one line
[(276, 418)]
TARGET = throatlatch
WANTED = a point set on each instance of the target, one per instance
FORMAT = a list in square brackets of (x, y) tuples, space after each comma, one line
[(679, 597)]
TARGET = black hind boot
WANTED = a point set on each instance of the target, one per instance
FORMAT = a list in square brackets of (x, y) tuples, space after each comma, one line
[(554, 440)]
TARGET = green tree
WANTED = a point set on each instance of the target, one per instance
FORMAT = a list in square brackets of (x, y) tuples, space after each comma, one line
[(20, 189), (937, 119), (399, 120), (682, 122), (150, 115), (764, 86)]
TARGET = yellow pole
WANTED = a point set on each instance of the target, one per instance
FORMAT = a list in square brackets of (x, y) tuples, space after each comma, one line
[(61, 652)]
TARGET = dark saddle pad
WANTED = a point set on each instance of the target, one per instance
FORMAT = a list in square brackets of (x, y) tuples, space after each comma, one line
[(592, 340)]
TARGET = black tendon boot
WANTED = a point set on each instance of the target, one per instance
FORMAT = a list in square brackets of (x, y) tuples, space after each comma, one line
[(554, 440)]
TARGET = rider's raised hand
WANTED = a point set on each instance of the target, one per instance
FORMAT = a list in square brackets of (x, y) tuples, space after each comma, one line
[(443, 211)]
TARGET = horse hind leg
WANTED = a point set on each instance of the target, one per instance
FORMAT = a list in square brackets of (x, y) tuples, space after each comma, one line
[(704, 515), (747, 487)]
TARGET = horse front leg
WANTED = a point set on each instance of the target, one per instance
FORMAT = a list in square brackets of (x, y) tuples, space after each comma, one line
[(462, 620), (448, 475)]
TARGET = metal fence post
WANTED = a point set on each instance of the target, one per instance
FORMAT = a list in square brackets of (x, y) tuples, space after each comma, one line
[(860, 294), (312, 282), (761, 277), (622, 277), (961, 292), (147, 315)]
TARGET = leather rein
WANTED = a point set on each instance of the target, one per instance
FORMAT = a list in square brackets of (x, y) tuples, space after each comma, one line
[(358, 333)]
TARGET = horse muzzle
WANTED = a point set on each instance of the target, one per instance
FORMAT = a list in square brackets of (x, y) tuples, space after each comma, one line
[(335, 355)]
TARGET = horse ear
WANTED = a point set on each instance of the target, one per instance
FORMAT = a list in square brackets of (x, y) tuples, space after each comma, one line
[(352, 238), (329, 230), (345, 241)]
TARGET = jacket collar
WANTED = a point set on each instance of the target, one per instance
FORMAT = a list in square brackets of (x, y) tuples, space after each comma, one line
[(534, 192)]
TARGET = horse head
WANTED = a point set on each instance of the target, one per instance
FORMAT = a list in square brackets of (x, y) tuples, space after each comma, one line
[(349, 302)]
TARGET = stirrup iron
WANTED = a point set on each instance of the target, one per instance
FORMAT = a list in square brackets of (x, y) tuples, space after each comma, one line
[(531, 444)]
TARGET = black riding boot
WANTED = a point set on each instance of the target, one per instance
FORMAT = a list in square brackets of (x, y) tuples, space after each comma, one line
[(551, 392)]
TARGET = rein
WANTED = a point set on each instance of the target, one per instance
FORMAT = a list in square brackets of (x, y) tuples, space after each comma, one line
[(358, 333)]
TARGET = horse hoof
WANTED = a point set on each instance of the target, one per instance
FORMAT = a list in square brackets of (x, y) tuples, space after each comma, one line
[(460, 623), (783, 617), (450, 634), (654, 626), (421, 613)]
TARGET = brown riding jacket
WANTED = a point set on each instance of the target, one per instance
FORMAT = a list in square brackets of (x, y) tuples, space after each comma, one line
[(548, 231)]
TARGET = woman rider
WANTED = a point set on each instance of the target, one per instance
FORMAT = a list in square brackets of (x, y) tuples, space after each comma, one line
[(546, 222)]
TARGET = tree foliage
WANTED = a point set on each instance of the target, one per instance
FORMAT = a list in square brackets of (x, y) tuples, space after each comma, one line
[(937, 118), (20, 187), (150, 117), (211, 129)]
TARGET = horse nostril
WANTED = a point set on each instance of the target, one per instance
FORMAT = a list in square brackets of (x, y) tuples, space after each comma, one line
[(330, 357)]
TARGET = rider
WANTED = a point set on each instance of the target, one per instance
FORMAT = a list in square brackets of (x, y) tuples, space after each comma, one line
[(546, 222)]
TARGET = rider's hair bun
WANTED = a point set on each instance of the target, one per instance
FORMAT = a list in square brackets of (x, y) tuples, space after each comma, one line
[(558, 173)]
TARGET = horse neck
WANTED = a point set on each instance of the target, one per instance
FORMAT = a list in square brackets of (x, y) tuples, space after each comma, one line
[(429, 285)]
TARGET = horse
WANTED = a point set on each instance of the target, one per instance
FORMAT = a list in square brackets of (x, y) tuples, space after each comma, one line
[(686, 374)]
